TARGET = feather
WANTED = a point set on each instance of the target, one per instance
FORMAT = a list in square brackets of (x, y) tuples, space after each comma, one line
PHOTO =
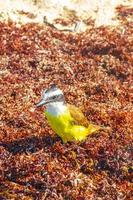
[(78, 116)]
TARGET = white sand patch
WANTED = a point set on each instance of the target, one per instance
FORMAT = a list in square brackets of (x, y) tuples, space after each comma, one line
[(76, 11)]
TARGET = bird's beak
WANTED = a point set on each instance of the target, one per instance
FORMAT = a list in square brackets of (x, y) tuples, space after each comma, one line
[(42, 102)]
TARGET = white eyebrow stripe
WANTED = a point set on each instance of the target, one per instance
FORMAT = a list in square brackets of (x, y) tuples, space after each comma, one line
[(54, 93)]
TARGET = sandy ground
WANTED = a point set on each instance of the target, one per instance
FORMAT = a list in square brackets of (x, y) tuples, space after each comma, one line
[(74, 13)]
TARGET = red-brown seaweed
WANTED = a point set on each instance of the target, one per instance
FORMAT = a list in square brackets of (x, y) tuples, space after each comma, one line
[(94, 69)]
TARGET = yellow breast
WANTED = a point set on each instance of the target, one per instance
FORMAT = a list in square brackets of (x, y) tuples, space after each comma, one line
[(63, 125)]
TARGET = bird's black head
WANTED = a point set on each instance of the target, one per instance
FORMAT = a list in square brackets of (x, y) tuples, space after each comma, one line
[(51, 95)]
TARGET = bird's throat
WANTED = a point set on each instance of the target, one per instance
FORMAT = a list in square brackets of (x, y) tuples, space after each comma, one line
[(56, 108)]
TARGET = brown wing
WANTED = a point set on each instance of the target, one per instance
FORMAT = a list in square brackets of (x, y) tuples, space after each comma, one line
[(78, 116)]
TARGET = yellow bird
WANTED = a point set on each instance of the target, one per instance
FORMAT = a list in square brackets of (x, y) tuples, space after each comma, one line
[(66, 120)]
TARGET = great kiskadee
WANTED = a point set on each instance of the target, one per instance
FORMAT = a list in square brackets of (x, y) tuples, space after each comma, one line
[(66, 120)]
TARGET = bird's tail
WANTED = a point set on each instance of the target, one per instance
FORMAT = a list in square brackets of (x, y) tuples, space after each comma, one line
[(93, 128)]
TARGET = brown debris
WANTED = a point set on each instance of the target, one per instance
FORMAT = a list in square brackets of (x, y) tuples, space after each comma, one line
[(94, 69)]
